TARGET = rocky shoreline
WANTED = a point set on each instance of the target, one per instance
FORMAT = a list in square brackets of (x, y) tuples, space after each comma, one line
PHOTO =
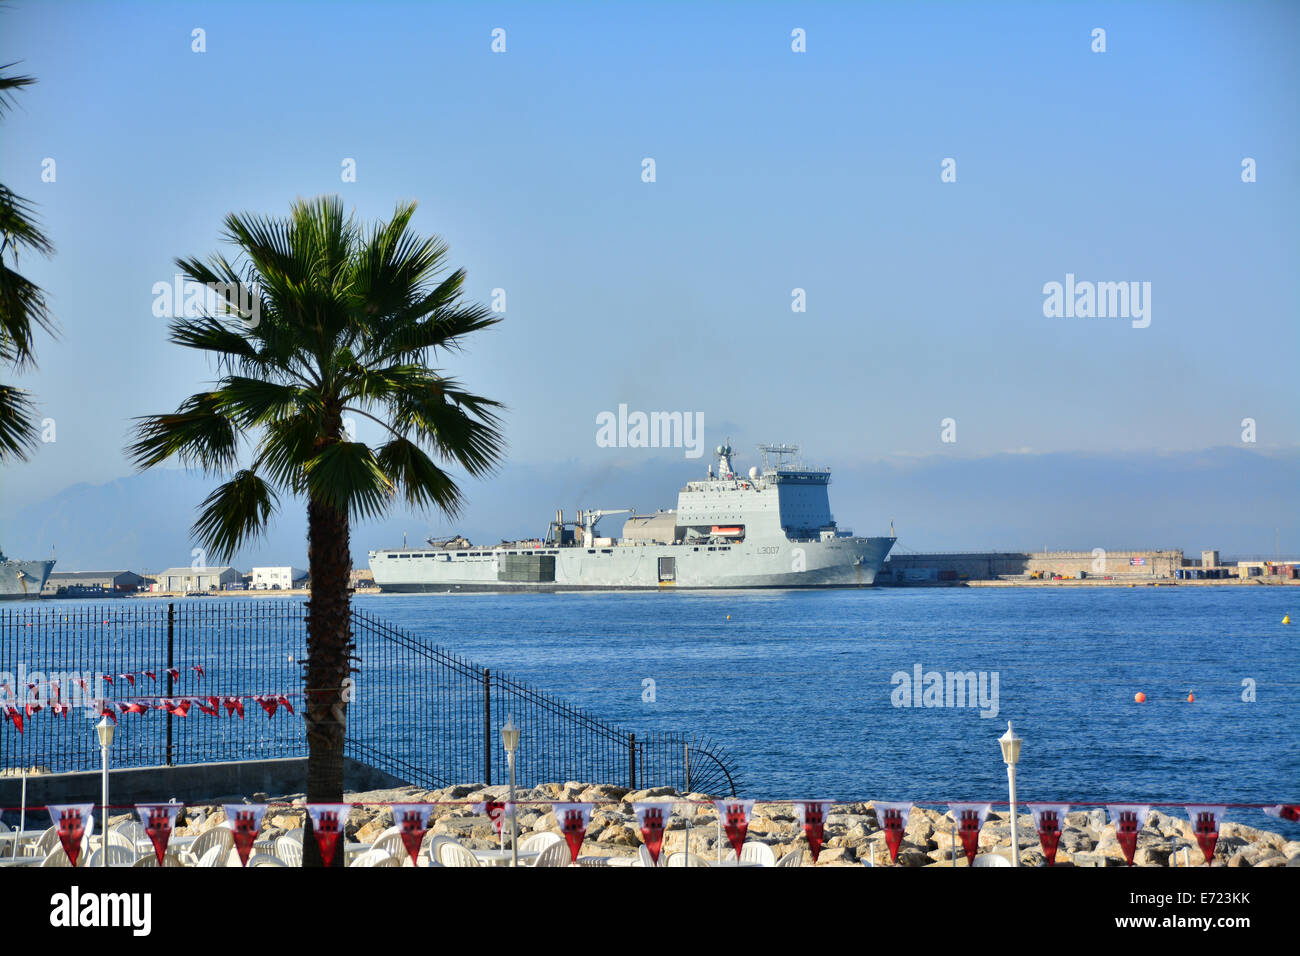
[(852, 833)]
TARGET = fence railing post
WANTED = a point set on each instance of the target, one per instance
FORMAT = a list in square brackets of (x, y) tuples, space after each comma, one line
[(171, 635), (686, 744), (631, 761), (487, 727)]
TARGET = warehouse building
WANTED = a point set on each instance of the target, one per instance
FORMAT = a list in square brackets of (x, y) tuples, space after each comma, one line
[(278, 579), (941, 567), (89, 583), (185, 580)]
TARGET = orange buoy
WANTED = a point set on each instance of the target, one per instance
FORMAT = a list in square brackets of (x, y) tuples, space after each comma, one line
[(1139, 697), (1191, 698)]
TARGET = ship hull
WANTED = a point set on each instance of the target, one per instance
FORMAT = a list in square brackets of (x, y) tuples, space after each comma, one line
[(842, 562), (23, 580)]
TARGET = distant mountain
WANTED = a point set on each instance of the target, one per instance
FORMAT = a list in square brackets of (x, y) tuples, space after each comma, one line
[(1236, 500)]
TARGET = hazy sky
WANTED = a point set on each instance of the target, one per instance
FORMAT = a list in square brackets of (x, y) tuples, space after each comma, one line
[(774, 171)]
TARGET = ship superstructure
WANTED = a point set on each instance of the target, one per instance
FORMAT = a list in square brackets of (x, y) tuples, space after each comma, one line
[(771, 527)]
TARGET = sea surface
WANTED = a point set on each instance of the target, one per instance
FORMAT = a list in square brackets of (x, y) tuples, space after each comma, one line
[(800, 686)]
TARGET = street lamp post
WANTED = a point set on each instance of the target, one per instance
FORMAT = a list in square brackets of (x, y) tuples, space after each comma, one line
[(510, 740), (104, 729), (1010, 745)]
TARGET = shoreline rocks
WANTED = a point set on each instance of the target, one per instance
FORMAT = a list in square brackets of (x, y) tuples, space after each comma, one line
[(852, 833)]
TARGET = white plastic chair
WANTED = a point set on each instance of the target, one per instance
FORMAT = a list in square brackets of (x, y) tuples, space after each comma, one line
[(117, 856), (452, 853), (49, 841), (537, 842), (217, 856), (289, 850), (130, 829), (754, 852), (685, 859), (556, 854), (793, 858), (991, 859), (374, 858), (217, 836), (150, 860), (266, 859), (390, 842), (124, 840), (431, 845), (643, 857)]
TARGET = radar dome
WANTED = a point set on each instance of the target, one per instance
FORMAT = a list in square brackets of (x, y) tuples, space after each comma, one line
[(753, 474)]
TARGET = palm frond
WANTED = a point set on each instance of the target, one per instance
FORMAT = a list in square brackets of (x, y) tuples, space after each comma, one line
[(197, 433), (237, 511), (461, 426), (18, 431), (421, 482), (347, 477)]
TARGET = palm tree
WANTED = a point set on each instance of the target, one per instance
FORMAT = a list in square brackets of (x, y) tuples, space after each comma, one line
[(320, 319), (22, 304)]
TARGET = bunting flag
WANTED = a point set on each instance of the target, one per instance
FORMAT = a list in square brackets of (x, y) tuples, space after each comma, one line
[(151, 675), (496, 811), (269, 702), (811, 815), (573, 819), (234, 705), (328, 821), (129, 678), (652, 818), (173, 673), (970, 819), (1128, 818), (107, 711), (284, 702), (1283, 811), (245, 819), (159, 819), (1049, 821), (412, 821), (210, 706), (15, 715), (892, 818), (1205, 825), (74, 821), (734, 817), (198, 671)]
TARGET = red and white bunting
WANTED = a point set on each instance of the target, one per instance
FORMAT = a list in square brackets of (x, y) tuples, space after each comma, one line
[(1205, 825), (495, 811), (1284, 811), (244, 820), (1049, 821), (734, 817), (15, 715), (892, 818), (652, 818), (573, 818), (73, 821), (812, 815), (970, 819), (412, 822), (158, 819), (1128, 818), (328, 821)]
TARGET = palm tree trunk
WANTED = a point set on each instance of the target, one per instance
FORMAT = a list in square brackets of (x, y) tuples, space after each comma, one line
[(329, 637)]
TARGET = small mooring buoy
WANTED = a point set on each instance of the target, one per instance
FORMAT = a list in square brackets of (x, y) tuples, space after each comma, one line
[(1191, 698), (1140, 697), (1286, 618)]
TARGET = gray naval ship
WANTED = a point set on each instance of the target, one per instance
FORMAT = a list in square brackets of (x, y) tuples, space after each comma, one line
[(22, 579), (770, 528)]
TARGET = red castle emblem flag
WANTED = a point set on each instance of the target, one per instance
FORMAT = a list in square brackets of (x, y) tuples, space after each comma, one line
[(1049, 820), (970, 819), (652, 818), (734, 815), (573, 819), (893, 820), (1283, 811), (244, 820), (811, 815), (412, 822), (74, 821), (158, 820), (1128, 818), (328, 821), (1205, 825)]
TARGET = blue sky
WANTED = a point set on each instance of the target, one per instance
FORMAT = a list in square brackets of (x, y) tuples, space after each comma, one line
[(775, 170)]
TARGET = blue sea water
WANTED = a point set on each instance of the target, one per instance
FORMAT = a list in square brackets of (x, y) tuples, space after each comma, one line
[(798, 685)]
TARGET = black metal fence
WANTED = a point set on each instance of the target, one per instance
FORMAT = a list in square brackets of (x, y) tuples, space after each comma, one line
[(417, 711)]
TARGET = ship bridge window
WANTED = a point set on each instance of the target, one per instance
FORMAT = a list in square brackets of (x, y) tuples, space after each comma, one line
[(606, 550), (403, 555), (460, 554)]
